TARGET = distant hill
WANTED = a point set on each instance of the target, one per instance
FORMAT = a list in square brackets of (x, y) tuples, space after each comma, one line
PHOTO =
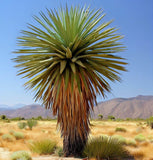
[(135, 107), (28, 111)]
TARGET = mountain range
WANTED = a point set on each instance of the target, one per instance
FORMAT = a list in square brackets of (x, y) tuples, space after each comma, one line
[(135, 107)]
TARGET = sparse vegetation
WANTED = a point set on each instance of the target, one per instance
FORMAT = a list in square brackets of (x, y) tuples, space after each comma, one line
[(111, 117), (18, 135), (17, 118), (100, 116), (119, 129), (44, 146), (31, 123), (102, 147), (99, 128), (150, 122), (7, 137), (21, 155), (131, 142), (140, 138), (22, 125)]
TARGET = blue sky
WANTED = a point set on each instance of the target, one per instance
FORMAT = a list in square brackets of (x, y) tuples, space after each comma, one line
[(133, 17)]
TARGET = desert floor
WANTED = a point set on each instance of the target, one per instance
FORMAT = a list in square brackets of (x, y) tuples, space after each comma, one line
[(47, 129)]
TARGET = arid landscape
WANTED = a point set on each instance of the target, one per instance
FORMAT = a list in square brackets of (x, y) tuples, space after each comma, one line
[(76, 80), (141, 149)]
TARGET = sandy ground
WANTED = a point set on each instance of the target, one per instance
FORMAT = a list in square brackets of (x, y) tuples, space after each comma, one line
[(47, 129)]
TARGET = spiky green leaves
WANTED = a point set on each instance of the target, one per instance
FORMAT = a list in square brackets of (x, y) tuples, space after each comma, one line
[(68, 59)]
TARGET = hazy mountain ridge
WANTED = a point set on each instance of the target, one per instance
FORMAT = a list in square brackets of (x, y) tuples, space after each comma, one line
[(134, 107), (7, 107)]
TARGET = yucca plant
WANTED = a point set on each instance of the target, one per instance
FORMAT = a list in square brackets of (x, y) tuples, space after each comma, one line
[(69, 59)]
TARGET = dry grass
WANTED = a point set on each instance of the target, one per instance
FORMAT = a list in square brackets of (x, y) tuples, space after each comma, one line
[(47, 129)]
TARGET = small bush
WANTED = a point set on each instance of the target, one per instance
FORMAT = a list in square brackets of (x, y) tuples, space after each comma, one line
[(140, 138), (21, 155), (45, 146), (131, 142), (100, 116), (31, 123), (3, 117), (111, 117), (18, 118), (121, 139), (101, 148), (7, 137), (22, 125), (18, 135), (120, 129), (150, 122)]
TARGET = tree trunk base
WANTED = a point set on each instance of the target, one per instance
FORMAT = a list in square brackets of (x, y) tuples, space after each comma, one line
[(73, 148)]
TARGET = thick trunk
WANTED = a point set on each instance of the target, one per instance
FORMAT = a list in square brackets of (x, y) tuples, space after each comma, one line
[(73, 147)]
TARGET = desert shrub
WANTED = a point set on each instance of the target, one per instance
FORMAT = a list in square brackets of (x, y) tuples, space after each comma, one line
[(39, 118), (59, 151), (100, 116), (111, 117), (121, 139), (7, 137), (22, 125), (118, 129), (131, 142), (150, 122), (31, 123), (140, 138), (3, 117), (18, 135), (45, 146), (18, 118), (21, 155), (101, 148)]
